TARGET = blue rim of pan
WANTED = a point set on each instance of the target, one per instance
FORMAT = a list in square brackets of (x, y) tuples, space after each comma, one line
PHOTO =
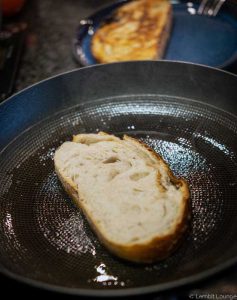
[(227, 16)]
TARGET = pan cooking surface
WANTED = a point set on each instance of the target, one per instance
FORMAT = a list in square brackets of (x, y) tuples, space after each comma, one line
[(44, 237)]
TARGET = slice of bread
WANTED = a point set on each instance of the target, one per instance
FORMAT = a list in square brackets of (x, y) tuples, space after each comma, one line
[(136, 206), (138, 30)]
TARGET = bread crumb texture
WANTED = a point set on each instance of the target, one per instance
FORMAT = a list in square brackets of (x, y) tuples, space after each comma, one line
[(126, 191)]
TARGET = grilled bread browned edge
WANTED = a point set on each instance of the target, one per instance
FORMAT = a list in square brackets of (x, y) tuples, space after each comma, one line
[(99, 42)]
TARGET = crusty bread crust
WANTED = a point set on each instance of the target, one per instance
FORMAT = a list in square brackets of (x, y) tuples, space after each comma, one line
[(164, 36), (155, 249), (139, 30)]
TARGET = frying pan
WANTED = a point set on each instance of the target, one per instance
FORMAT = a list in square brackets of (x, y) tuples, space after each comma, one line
[(185, 112)]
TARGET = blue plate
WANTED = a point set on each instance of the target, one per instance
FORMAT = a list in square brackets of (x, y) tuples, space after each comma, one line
[(199, 39)]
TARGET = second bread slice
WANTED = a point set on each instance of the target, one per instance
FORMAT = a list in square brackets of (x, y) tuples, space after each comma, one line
[(138, 30)]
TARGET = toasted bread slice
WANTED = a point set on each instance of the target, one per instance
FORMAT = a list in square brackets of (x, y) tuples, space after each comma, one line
[(138, 30), (134, 203)]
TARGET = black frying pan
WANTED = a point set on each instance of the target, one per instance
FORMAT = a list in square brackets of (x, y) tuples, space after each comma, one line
[(185, 112)]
